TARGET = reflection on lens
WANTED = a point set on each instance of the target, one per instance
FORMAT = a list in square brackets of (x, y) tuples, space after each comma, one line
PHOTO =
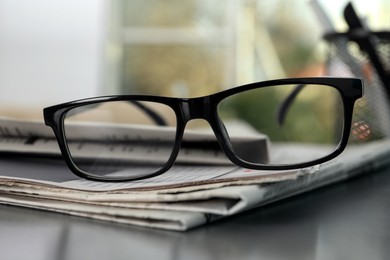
[(302, 123), (127, 139)]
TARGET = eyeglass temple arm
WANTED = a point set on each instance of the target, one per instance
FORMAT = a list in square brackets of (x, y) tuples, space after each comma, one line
[(148, 111), (286, 104), (151, 113)]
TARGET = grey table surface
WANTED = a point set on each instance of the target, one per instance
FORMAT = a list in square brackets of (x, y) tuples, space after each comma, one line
[(348, 220)]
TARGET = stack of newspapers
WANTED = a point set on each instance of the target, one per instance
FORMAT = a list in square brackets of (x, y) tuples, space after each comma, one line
[(185, 197)]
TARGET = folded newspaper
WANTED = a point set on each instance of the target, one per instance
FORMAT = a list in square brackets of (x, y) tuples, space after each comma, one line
[(183, 198)]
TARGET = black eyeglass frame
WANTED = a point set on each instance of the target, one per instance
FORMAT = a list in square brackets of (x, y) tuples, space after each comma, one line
[(206, 107)]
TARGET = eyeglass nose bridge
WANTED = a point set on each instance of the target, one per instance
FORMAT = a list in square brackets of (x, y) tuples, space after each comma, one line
[(195, 108), (201, 108)]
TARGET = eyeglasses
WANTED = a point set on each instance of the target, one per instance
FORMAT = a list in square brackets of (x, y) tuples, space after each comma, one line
[(299, 123)]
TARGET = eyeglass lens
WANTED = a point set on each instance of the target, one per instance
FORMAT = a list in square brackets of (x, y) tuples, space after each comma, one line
[(301, 122), (128, 139)]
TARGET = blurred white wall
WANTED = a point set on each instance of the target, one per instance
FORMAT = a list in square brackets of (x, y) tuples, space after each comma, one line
[(50, 50)]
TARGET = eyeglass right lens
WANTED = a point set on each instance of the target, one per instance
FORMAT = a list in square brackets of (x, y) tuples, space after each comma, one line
[(302, 123), (120, 139)]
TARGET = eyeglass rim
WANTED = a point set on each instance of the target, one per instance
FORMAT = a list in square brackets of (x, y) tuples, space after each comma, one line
[(350, 90)]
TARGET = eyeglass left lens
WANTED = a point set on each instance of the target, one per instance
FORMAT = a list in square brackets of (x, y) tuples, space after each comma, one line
[(120, 139), (301, 123)]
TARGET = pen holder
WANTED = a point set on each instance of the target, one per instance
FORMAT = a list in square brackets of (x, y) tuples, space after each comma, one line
[(347, 58)]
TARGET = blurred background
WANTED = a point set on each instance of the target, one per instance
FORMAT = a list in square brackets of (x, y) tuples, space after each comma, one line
[(57, 51)]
